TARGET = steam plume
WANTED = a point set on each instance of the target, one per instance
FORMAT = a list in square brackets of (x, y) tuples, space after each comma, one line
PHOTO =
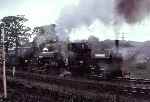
[(85, 13), (107, 11)]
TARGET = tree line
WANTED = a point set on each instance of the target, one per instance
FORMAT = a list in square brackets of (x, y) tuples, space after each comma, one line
[(17, 33)]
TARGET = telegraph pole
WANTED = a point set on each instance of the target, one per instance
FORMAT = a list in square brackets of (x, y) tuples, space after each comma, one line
[(123, 36), (4, 67)]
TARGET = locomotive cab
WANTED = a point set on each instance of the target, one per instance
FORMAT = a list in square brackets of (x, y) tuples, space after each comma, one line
[(79, 58)]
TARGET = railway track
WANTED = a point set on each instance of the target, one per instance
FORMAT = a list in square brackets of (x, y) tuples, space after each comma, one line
[(48, 89), (127, 81), (145, 83), (91, 89), (38, 91), (122, 86)]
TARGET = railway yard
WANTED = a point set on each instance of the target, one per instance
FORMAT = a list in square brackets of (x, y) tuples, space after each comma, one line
[(80, 77), (74, 51), (48, 76), (34, 87)]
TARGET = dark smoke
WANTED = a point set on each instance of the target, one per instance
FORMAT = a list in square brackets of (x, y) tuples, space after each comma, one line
[(133, 10)]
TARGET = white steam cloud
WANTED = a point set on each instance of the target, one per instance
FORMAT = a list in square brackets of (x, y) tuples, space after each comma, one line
[(110, 12), (85, 13)]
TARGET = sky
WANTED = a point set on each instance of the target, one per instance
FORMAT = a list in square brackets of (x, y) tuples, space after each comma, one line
[(45, 12)]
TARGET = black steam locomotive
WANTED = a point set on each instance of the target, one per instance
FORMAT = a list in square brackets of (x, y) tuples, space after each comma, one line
[(80, 61), (83, 63)]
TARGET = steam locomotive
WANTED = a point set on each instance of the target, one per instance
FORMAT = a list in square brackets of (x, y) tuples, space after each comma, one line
[(83, 63), (80, 61)]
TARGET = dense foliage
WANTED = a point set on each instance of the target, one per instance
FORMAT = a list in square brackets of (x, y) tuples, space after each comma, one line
[(16, 33)]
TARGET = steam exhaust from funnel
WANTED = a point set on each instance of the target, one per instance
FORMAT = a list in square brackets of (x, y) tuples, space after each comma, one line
[(84, 14)]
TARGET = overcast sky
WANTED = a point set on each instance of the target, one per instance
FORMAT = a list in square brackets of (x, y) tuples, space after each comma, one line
[(44, 12)]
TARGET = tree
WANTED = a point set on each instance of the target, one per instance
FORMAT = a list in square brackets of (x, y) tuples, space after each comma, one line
[(15, 31), (38, 30)]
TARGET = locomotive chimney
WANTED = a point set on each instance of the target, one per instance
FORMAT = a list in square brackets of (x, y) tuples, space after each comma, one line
[(117, 43)]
